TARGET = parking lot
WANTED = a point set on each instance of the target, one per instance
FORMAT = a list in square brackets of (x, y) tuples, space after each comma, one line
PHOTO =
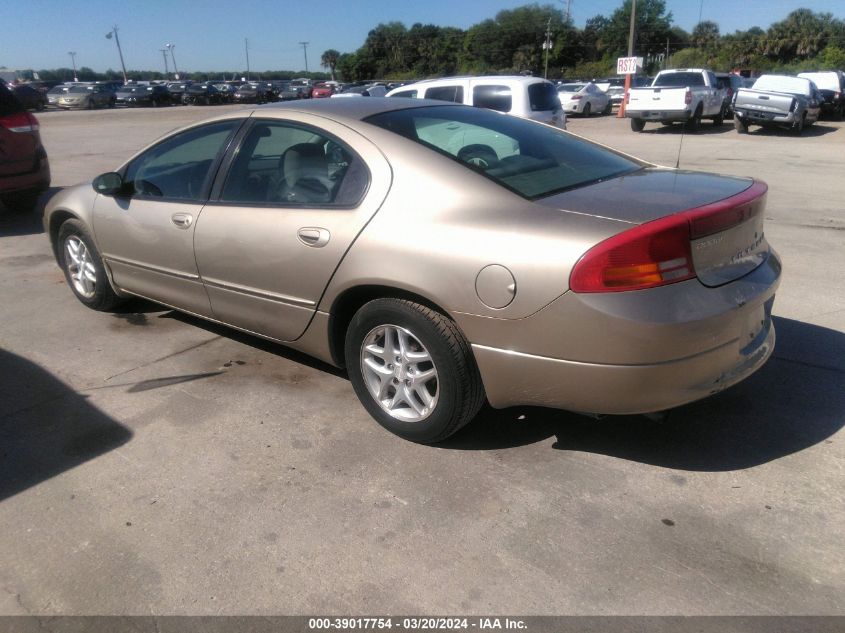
[(154, 463)]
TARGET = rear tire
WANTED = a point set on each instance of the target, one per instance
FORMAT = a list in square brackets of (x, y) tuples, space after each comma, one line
[(608, 109), (587, 109), (391, 341), (798, 128), (694, 123), (740, 125), (83, 267), (637, 125)]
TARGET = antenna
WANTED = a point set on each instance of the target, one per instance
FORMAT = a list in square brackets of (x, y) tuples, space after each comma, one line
[(680, 145)]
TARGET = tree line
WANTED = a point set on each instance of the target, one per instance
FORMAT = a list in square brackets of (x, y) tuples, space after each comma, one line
[(514, 42)]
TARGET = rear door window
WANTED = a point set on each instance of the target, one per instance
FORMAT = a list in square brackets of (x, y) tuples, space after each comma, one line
[(446, 93), (497, 98), (543, 97)]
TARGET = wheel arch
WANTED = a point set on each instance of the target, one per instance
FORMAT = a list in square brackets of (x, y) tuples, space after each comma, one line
[(57, 218), (348, 302)]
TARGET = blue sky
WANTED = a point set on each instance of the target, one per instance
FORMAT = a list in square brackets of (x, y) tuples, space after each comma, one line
[(209, 34)]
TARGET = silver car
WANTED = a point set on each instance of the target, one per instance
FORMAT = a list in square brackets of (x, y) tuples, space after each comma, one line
[(443, 254)]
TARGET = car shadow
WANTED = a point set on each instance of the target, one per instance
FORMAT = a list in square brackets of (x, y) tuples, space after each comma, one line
[(817, 129), (17, 223), (255, 342), (795, 401), (46, 428), (705, 129)]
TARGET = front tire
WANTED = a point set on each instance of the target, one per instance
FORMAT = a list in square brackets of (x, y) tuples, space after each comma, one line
[(412, 369), (83, 267)]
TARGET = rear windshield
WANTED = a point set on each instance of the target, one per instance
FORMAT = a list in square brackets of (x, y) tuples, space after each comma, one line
[(678, 80), (530, 159), (570, 88), (80, 89), (543, 97)]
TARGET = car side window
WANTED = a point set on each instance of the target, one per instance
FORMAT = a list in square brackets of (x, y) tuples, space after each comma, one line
[(497, 98), (282, 164), (178, 167), (446, 93)]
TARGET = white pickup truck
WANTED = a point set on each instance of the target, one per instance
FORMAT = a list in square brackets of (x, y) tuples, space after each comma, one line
[(682, 94)]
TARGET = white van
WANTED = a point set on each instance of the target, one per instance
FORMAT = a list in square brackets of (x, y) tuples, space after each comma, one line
[(527, 97)]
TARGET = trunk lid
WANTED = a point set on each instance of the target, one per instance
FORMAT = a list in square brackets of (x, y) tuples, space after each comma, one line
[(725, 214)]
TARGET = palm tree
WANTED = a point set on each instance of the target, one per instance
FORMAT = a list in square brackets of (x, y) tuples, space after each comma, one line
[(329, 60)]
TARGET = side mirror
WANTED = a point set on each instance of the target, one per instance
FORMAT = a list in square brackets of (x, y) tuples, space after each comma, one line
[(108, 184)]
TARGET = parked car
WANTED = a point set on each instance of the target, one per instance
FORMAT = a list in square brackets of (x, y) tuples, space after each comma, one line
[(730, 83), (204, 94), (227, 91), (153, 96), (831, 85), (88, 97), (31, 98), (583, 98), (777, 101), (366, 90), (527, 97), (284, 90), (54, 93), (682, 94), (253, 93), (359, 232), (24, 168), (177, 90), (614, 87), (322, 91)]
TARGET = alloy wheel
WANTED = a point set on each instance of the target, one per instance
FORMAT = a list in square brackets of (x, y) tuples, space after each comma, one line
[(399, 373), (80, 266)]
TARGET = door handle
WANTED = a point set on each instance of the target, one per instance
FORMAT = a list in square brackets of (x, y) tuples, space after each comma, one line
[(313, 236), (182, 220)]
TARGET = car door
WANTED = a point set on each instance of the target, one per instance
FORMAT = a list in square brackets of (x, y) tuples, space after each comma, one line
[(146, 235), (294, 197)]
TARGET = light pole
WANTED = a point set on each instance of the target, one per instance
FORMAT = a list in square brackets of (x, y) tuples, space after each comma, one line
[(305, 51), (109, 35), (163, 51), (170, 47), (246, 48), (73, 61)]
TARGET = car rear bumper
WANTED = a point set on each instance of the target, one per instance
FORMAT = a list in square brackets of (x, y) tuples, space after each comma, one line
[(761, 117), (512, 378), (628, 353), (36, 180), (659, 115)]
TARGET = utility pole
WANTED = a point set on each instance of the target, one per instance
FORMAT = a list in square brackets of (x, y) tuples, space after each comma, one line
[(547, 45), (246, 49), (119, 51), (630, 54), (305, 51), (170, 47), (163, 51), (73, 61), (568, 9)]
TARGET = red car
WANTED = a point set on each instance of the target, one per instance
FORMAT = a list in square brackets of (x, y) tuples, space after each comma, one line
[(24, 170), (321, 91)]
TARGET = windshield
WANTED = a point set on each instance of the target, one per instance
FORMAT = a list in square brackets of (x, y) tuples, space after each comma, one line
[(678, 80), (530, 159)]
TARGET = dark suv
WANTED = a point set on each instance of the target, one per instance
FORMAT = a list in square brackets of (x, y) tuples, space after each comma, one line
[(24, 170)]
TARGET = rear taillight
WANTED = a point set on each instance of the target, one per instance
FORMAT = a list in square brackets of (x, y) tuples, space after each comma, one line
[(688, 97), (19, 122), (658, 253)]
